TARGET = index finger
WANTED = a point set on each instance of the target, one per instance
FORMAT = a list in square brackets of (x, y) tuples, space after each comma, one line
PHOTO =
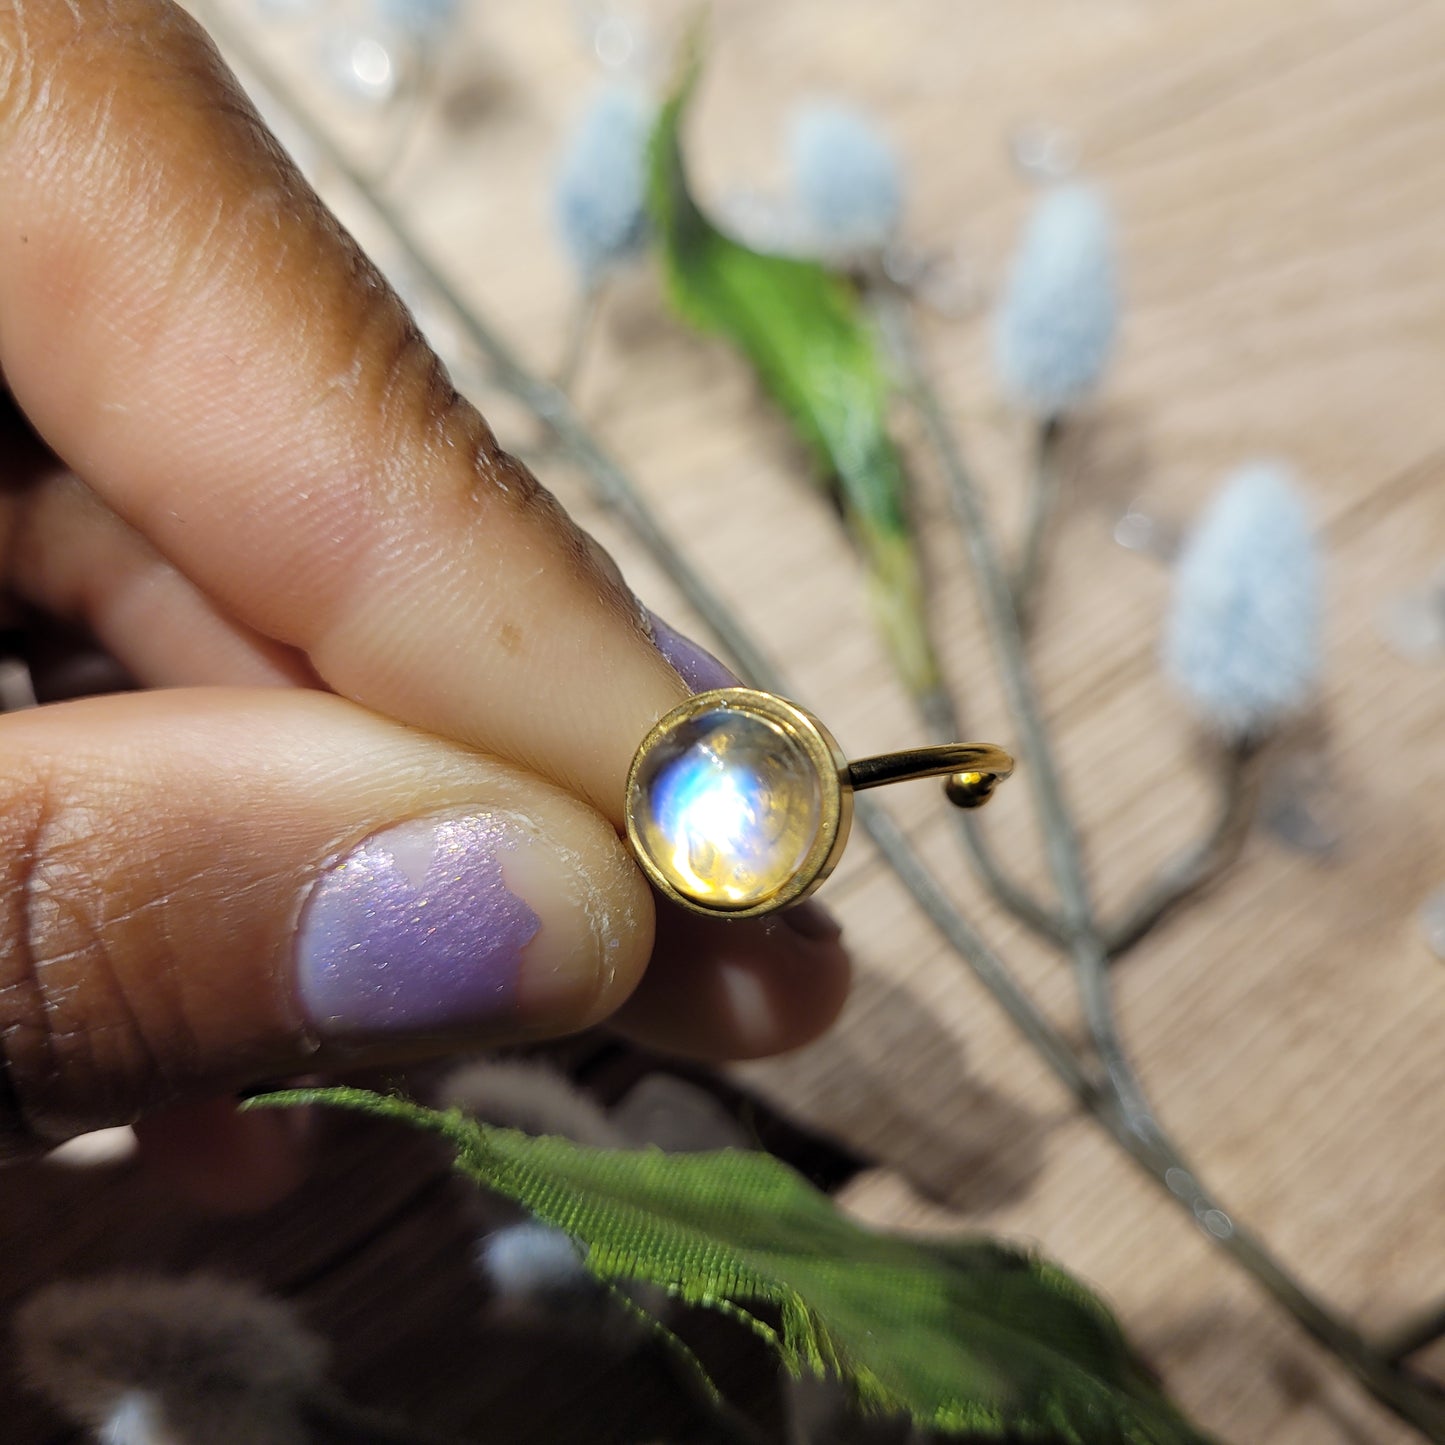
[(196, 336)]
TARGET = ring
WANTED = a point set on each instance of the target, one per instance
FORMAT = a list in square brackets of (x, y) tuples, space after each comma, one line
[(739, 802)]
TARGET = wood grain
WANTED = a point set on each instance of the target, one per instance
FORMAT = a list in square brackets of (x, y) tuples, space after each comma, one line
[(1279, 174)]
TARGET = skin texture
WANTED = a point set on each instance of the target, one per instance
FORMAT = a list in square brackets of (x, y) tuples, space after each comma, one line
[(230, 458)]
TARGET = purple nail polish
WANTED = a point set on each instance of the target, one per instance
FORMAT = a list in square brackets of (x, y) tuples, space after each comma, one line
[(697, 667), (415, 931)]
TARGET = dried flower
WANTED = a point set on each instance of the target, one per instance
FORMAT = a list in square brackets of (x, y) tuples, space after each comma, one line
[(847, 179), (601, 187), (189, 1360), (533, 1262), (1242, 643), (1055, 326)]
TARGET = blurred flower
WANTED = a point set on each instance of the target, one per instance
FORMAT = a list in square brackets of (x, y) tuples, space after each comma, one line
[(1242, 642), (530, 1096), (1055, 326), (425, 21), (156, 1361), (847, 179), (533, 1262), (358, 64), (600, 193)]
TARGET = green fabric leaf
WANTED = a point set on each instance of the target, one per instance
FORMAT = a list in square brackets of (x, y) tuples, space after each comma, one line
[(804, 331), (961, 1335)]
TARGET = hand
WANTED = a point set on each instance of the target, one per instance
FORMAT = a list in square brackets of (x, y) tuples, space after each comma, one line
[(368, 810)]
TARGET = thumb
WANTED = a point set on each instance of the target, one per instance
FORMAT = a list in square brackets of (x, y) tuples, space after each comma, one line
[(202, 889)]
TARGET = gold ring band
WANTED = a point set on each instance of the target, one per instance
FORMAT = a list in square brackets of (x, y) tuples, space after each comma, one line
[(739, 802)]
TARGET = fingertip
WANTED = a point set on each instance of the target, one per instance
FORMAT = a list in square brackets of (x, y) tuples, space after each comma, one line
[(489, 923), (721, 990), (284, 882)]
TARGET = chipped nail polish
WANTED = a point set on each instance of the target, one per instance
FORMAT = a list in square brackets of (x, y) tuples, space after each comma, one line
[(416, 931)]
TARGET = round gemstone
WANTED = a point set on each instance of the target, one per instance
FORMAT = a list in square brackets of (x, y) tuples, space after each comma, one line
[(728, 806)]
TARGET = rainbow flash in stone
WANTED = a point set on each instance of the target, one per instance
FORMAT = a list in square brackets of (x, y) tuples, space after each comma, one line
[(733, 804)]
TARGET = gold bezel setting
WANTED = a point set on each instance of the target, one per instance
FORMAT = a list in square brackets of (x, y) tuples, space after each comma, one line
[(806, 733)]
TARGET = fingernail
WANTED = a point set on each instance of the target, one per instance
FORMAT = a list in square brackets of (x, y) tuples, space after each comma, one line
[(430, 927), (697, 667), (812, 921)]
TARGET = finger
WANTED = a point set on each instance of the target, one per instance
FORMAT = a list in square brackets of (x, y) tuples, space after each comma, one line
[(713, 992), (194, 334), (209, 352), (223, 1160), (721, 992), (202, 888), (72, 556)]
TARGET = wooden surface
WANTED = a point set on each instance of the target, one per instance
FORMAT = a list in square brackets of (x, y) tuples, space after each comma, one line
[(1279, 175)]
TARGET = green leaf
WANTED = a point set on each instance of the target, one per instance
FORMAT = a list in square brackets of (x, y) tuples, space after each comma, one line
[(804, 331), (963, 1335)]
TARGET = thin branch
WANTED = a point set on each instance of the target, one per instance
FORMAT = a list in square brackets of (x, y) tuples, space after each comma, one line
[(992, 972), (1197, 867), (1045, 479), (942, 720), (1061, 842)]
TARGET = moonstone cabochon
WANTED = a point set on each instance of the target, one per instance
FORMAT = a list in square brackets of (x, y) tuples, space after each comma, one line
[(727, 806)]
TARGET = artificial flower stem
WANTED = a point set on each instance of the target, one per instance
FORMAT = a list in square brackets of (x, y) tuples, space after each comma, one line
[(1194, 869), (1045, 481), (615, 490), (1125, 1112)]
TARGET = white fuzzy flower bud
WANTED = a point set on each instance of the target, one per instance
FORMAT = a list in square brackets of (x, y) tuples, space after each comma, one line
[(1055, 326), (1242, 642), (533, 1262), (600, 195), (847, 179), (156, 1361)]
